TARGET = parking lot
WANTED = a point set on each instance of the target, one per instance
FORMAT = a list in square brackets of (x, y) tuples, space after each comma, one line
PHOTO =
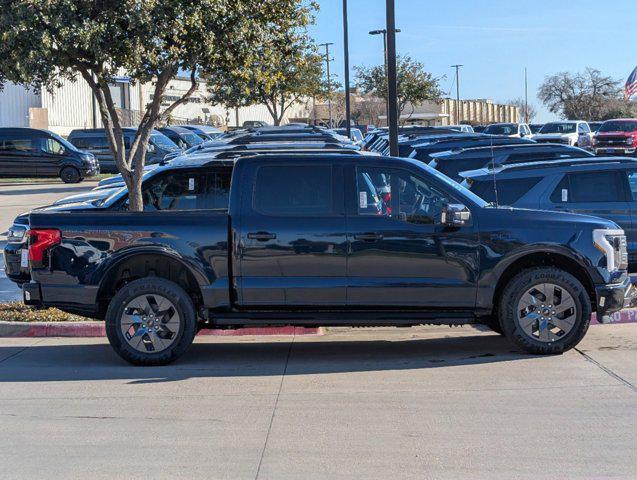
[(425, 402)]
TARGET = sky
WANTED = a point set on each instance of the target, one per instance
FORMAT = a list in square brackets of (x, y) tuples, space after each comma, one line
[(494, 40)]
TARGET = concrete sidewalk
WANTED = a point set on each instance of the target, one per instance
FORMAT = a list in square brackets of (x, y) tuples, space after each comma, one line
[(427, 402)]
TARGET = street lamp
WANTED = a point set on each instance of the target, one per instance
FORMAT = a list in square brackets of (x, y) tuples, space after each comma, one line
[(457, 67), (329, 85), (383, 32)]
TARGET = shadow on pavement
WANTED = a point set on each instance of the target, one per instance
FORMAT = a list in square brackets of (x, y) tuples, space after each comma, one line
[(99, 362), (62, 188)]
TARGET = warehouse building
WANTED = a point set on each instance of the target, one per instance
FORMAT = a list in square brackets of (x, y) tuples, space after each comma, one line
[(72, 106)]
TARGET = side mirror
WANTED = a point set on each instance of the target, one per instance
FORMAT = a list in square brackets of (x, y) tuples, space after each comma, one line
[(150, 148), (455, 215)]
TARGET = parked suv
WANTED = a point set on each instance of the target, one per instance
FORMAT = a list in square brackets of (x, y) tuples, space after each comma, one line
[(312, 240), (508, 129), (29, 152), (604, 187), (183, 137), (451, 163), (616, 137), (160, 147), (576, 133)]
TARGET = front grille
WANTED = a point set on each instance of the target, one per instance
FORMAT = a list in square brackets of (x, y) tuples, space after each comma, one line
[(611, 141), (555, 140)]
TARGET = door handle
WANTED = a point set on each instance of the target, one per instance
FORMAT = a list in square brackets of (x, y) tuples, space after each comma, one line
[(261, 236), (368, 237)]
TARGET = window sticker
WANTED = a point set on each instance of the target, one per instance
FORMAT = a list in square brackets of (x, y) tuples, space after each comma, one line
[(565, 195), (362, 199), (191, 184)]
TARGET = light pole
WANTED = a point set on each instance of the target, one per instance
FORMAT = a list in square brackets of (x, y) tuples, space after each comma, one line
[(526, 98), (348, 115), (383, 32), (392, 100), (329, 85), (457, 67)]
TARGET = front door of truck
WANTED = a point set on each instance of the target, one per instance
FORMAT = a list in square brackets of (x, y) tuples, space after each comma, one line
[(291, 235), (400, 255)]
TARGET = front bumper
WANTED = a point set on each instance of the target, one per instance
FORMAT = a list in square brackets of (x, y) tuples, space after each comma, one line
[(91, 171), (615, 150), (614, 297)]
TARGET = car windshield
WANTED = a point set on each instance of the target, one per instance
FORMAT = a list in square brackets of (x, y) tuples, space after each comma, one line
[(162, 142), (68, 145), (191, 139), (618, 126), (559, 127), (502, 129)]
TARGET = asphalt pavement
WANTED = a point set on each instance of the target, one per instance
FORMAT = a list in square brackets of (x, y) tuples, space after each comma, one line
[(421, 403)]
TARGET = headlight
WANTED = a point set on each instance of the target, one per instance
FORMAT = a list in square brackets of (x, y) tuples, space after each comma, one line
[(16, 233), (612, 243)]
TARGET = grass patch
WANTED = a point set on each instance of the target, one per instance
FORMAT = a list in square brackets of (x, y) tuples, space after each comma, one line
[(19, 312)]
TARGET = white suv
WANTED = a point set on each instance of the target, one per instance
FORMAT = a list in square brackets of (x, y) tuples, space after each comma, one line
[(508, 129)]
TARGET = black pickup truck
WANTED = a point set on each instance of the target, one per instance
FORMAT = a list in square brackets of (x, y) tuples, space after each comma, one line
[(329, 240)]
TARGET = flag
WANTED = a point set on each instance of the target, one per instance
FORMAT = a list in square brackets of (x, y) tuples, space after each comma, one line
[(631, 84)]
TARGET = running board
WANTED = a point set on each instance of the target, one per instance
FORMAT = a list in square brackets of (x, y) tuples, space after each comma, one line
[(341, 319)]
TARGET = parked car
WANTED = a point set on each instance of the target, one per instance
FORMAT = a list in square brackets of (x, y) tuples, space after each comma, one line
[(601, 186), (206, 132), (30, 152), (575, 133), (183, 137), (453, 162), (508, 129), (306, 242), (479, 128), (423, 151), (254, 124), (459, 128), (94, 140), (616, 137), (594, 126), (535, 127), (356, 135)]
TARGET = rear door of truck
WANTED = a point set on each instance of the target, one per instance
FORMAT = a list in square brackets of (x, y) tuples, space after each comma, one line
[(291, 235)]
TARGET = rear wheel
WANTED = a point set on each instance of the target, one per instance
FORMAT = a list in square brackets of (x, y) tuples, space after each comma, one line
[(151, 321), (545, 310), (70, 175)]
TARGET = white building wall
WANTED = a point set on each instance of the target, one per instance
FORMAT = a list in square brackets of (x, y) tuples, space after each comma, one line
[(15, 102)]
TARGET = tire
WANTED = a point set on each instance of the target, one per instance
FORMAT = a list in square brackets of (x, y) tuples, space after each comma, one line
[(157, 332), (493, 322), (535, 329), (70, 175)]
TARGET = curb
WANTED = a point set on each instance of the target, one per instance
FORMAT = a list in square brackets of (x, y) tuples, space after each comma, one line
[(96, 329)]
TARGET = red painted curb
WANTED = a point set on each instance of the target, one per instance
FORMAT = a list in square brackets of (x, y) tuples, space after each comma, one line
[(96, 329)]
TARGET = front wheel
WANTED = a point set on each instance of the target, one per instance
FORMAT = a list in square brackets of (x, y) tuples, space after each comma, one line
[(151, 321), (70, 175), (545, 310)]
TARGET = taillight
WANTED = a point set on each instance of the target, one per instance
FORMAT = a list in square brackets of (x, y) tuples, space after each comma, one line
[(40, 240)]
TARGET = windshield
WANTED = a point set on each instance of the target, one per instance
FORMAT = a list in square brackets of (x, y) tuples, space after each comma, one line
[(618, 126), (454, 185), (191, 139), (502, 129), (162, 142), (558, 127), (68, 145)]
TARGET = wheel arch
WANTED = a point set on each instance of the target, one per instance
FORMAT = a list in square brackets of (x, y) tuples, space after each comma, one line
[(555, 259), (139, 264)]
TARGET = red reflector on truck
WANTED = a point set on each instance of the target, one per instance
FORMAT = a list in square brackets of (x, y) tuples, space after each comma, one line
[(40, 240)]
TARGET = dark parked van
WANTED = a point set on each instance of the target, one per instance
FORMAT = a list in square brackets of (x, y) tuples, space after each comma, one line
[(183, 137), (160, 147), (29, 152)]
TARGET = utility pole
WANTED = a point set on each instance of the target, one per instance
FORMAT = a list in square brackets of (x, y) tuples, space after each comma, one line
[(384, 34), (348, 113), (457, 67), (526, 98), (329, 85), (392, 99)]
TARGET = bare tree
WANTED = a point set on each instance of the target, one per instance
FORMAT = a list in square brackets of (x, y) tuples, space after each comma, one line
[(527, 111), (586, 95)]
